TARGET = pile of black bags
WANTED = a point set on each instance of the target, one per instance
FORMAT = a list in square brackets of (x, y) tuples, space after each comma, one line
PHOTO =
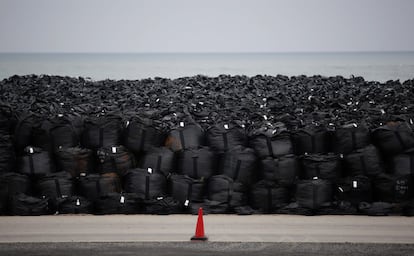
[(245, 145)]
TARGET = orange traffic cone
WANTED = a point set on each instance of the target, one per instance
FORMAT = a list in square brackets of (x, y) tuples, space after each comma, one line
[(199, 233)]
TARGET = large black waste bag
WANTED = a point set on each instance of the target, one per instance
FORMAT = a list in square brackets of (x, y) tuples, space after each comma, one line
[(271, 142), (267, 196), (311, 140), (393, 188), (65, 132), (159, 159), (314, 194), (375, 208), (7, 121), (365, 161), (239, 164), (35, 162), (116, 203), (56, 187), (24, 205), (12, 184), (354, 190), (141, 134), (75, 205), (93, 186), (147, 184), (162, 206), (102, 131), (186, 136), (40, 137), (186, 190), (403, 164), (196, 163), (114, 159), (350, 137), (322, 166), (7, 154), (226, 192), (224, 136), (284, 170), (76, 161), (394, 138), (23, 131)]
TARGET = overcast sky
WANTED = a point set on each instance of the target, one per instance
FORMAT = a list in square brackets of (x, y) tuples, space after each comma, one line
[(206, 25)]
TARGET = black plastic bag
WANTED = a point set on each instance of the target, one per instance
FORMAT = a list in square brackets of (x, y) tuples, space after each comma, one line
[(102, 131), (284, 170), (76, 161), (394, 138), (311, 140), (142, 134), (114, 159), (162, 206), (355, 190), (24, 205), (186, 190), (12, 184), (75, 205), (187, 136), (7, 154), (314, 194), (23, 131), (147, 184), (266, 196), (321, 166), (160, 159), (273, 143), (65, 132), (403, 164), (35, 162), (392, 188), (375, 208), (55, 187), (226, 192), (197, 163), (115, 203), (239, 164), (225, 136), (348, 138), (365, 161), (93, 186)]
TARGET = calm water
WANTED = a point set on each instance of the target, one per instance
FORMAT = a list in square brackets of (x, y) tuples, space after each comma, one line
[(379, 66)]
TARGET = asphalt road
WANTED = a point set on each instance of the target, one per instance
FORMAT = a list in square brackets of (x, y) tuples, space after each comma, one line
[(228, 235)]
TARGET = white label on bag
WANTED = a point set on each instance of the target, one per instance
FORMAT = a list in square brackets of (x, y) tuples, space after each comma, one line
[(382, 111), (341, 156), (315, 178), (60, 115), (186, 203), (113, 150), (160, 198), (355, 184), (226, 126), (82, 174), (149, 170), (78, 202), (127, 123), (31, 151), (411, 121), (264, 117), (181, 124), (157, 100), (122, 200), (340, 189), (355, 125)]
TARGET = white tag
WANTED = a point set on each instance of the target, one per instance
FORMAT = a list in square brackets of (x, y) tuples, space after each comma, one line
[(160, 198), (60, 115), (355, 125), (264, 99), (77, 202), (127, 123), (340, 189), (122, 200), (181, 124), (186, 203), (113, 150), (382, 111), (31, 151), (341, 156), (201, 103), (264, 117), (411, 121), (82, 174), (315, 178), (149, 170), (226, 126), (354, 184), (157, 100)]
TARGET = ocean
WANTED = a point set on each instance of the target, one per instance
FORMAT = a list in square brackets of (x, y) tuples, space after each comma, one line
[(373, 66)]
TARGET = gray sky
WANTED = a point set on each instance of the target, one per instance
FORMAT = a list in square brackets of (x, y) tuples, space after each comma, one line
[(205, 25)]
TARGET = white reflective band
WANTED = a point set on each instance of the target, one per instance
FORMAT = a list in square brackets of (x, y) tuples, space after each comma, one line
[(354, 184), (149, 170), (181, 124), (226, 126), (122, 200)]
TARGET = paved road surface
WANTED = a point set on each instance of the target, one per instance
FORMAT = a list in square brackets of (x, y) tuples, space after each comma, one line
[(228, 235)]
